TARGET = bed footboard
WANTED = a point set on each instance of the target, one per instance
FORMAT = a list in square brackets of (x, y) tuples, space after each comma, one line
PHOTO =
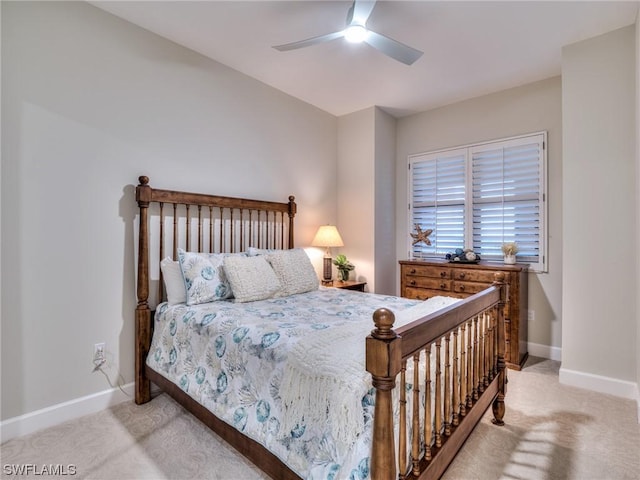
[(465, 343)]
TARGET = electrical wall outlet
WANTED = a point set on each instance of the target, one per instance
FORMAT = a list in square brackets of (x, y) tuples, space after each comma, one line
[(99, 354), (531, 315)]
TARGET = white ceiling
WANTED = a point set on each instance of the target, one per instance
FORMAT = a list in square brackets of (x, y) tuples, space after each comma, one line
[(470, 48)]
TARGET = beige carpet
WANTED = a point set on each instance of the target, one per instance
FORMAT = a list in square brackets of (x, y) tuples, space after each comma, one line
[(552, 432)]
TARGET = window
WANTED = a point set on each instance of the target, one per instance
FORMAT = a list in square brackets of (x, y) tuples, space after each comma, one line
[(481, 196)]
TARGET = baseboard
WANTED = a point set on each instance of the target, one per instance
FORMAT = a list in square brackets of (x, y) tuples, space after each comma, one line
[(597, 383), (62, 412), (545, 351)]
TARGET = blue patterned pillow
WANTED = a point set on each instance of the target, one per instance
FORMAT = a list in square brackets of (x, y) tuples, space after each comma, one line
[(204, 277)]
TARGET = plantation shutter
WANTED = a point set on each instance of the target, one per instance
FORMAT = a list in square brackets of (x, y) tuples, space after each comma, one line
[(438, 198), (507, 197), (481, 196)]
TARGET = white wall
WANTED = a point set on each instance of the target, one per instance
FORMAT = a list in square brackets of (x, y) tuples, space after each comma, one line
[(637, 294), (366, 196), (599, 288), (89, 103), (385, 192), (530, 108), (356, 192)]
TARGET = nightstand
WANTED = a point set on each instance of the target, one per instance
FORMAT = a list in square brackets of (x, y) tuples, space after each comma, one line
[(348, 285)]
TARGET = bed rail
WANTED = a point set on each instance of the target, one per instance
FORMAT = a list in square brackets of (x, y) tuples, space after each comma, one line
[(465, 342)]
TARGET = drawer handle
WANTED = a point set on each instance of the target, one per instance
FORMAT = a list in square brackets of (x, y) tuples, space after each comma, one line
[(412, 282), (461, 274), (413, 270), (462, 288), (443, 274), (443, 285)]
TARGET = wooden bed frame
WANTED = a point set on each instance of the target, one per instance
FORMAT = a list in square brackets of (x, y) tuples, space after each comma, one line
[(467, 340)]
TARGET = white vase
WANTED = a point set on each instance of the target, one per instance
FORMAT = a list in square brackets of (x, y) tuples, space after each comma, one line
[(509, 259)]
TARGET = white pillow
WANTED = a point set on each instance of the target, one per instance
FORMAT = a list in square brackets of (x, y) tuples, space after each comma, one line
[(294, 270), (251, 278), (253, 251), (173, 281), (204, 277)]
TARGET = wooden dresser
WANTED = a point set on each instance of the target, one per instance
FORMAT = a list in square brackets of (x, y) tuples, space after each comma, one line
[(425, 279)]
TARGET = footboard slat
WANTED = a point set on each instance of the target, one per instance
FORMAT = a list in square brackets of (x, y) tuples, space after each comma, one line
[(447, 386), (402, 442), (481, 358), (476, 358), (415, 439), (463, 371), (427, 408), (460, 358), (437, 421), (456, 381)]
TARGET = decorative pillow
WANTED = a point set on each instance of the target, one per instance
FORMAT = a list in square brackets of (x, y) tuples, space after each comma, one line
[(251, 278), (253, 251), (173, 281), (204, 277), (294, 270)]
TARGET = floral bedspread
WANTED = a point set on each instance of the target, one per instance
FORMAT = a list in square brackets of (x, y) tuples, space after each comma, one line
[(230, 358)]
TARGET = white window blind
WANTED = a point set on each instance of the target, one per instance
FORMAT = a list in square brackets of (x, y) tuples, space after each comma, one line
[(481, 196), (438, 186)]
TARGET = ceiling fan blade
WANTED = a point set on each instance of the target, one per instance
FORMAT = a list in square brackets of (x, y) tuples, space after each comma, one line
[(361, 11), (394, 49), (309, 41)]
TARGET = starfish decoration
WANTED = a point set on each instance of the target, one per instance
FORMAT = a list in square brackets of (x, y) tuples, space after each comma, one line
[(421, 236)]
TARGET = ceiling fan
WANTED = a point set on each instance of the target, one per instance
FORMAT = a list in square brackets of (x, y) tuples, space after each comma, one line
[(356, 31)]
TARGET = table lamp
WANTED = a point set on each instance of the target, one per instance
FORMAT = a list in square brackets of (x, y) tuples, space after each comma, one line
[(327, 236)]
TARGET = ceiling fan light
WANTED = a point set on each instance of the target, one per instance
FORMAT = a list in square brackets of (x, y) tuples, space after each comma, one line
[(355, 33)]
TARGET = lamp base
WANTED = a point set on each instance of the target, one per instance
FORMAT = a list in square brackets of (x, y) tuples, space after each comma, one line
[(326, 269)]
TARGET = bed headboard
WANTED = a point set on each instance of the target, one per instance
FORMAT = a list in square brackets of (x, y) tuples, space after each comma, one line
[(198, 223), (204, 223)]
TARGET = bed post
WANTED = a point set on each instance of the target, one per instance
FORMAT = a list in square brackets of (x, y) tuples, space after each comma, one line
[(383, 362), (143, 314), (498, 404), (292, 213)]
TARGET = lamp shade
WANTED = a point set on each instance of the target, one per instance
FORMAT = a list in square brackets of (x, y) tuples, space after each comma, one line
[(327, 236)]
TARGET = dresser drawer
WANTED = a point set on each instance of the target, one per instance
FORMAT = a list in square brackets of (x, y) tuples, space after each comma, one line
[(428, 282), (426, 271), (468, 288), (472, 275)]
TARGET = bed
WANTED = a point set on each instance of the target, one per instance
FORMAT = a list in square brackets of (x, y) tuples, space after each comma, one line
[(305, 381)]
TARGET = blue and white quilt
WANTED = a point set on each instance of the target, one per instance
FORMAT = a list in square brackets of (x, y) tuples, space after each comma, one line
[(231, 358)]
